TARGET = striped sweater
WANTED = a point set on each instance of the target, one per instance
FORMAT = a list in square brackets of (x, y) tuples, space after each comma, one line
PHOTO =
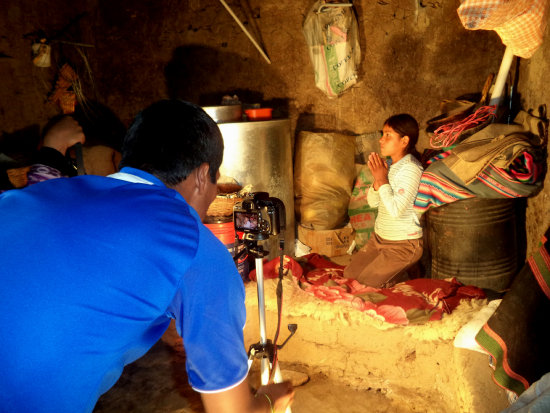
[(396, 219)]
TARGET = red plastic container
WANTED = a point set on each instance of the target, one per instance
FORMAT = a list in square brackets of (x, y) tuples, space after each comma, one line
[(225, 232), (259, 114)]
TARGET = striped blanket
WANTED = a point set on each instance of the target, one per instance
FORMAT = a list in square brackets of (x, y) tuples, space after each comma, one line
[(498, 161), (439, 185), (517, 334)]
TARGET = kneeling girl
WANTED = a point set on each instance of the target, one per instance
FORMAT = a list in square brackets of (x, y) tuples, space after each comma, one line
[(396, 243)]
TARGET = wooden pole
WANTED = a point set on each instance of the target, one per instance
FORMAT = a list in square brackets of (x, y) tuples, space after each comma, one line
[(498, 89), (245, 31)]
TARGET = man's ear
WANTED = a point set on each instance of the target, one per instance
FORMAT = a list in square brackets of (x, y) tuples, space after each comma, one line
[(202, 177)]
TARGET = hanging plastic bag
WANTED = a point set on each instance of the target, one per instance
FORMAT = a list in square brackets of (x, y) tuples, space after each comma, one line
[(330, 30)]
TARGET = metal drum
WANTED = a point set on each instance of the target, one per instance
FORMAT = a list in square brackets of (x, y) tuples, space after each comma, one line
[(474, 240), (259, 153)]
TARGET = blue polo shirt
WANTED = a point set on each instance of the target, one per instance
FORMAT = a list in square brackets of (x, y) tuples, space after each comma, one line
[(92, 271)]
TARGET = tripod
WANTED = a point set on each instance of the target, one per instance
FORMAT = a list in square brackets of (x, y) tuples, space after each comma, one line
[(266, 350)]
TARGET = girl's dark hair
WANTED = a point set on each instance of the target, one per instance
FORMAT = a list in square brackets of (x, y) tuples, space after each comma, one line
[(171, 138), (405, 125)]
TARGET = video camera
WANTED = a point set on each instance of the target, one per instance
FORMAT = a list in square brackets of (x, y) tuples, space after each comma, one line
[(259, 216)]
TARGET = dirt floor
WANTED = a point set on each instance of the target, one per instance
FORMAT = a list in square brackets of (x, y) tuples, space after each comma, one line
[(158, 383), (339, 362)]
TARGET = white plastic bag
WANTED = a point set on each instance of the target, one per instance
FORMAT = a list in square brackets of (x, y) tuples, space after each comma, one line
[(331, 34)]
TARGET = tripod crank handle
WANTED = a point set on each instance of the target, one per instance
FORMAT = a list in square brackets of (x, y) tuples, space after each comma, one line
[(292, 328)]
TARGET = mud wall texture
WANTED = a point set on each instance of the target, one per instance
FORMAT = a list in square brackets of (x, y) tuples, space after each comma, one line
[(534, 93), (417, 367), (128, 54)]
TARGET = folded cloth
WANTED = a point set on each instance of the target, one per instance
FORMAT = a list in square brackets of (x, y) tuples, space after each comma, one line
[(439, 185), (525, 169), (411, 302), (517, 335), (520, 179), (496, 144)]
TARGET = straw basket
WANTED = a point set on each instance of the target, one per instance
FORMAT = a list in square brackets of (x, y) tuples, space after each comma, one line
[(223, 206)]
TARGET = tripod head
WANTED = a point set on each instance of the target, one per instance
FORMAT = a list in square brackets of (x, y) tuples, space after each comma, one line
[(258, 350), (251, 248)]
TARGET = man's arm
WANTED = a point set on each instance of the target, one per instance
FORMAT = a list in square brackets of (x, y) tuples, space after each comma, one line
[(63, 134), (239, 399)]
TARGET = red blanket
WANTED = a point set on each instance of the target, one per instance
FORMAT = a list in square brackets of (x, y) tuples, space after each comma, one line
[(410, 302)]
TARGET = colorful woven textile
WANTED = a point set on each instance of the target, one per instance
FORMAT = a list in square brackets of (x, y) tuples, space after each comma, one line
[(411, 302), (499, 161), (524, 169), (436, 156), (498, 144), (517, 335), (439, 185), (519, 23)]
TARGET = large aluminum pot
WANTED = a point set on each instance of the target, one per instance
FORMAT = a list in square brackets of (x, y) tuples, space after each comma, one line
[(225, 113), (259, 154)]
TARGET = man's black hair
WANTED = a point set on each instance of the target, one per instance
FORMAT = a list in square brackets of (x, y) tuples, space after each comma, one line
[(170, 138)]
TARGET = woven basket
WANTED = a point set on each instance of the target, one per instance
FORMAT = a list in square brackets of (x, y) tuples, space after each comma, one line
[(222, 206)]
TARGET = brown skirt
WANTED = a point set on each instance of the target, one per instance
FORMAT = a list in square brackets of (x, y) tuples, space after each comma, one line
[(380, 261)]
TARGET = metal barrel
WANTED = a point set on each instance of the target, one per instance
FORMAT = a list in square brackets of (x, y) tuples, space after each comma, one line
[(474, 240)]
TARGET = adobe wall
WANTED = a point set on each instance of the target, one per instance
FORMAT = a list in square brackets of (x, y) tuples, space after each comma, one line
[(534, 92), (416, 367), (414, 55)]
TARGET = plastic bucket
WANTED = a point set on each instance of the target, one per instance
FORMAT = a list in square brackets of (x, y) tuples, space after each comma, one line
[(225, 232)]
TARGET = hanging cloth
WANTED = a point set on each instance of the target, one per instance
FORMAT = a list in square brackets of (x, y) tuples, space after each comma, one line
[(519, 23)]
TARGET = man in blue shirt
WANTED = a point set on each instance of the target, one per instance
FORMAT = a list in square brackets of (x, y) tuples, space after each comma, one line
[(94, 268)]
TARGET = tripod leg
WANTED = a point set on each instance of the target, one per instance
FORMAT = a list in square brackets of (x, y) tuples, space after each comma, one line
[(277, 376), (261, 299), (265, 370), (265, 366)]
